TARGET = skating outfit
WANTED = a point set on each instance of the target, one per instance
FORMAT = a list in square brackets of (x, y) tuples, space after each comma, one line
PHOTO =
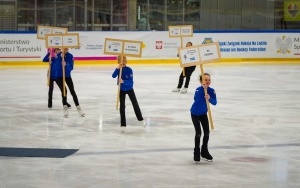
[(199, 118), (127, 88), (55, 73), (188, 73)]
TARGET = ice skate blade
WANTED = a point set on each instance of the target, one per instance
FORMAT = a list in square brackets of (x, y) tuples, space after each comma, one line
[(207, 160), (123, 129)]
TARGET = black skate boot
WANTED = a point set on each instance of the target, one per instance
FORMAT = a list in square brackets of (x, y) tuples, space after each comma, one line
[(49, 103), (197, 154), (69, 106), (205, 154)]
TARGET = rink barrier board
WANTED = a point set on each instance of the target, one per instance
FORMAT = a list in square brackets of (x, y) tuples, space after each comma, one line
[(154, 61)]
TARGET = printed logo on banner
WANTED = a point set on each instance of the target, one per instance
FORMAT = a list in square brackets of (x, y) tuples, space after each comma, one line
[(189, 56), (293, 9), (55, 41), (159, 44), (175, 31), (207, 40), (185, 57), (284, 44), (45, 31), (112, 48)]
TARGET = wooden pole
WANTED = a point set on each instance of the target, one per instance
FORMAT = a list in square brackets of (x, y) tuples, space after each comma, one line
[(63, 71), (49, 69), (119, 84), (181, 44), (207, 102)]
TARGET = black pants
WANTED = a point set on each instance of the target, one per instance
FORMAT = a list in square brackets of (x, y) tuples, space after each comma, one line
[(205, 126), (51, 87), (70, 85), (135, 105), (188, 73)]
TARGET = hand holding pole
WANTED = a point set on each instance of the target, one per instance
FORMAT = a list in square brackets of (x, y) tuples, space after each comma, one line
[(63, 71), (119, 83), (49, 69), (207, 102)]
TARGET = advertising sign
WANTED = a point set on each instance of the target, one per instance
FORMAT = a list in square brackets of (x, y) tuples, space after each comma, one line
[(181, 31), (123, 47), (197, 55), (70, 40), (43, 30)]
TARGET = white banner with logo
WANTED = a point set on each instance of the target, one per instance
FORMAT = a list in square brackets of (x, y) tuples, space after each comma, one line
[(157, 45)]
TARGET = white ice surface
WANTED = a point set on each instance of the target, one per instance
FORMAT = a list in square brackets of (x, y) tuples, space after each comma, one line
[(255, 142)]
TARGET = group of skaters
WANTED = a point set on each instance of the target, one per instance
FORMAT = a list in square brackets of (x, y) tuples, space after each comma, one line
[(198, 109)]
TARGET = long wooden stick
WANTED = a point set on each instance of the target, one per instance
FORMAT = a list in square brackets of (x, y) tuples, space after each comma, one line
[(63, 71), (119, 84), (207, 102), (49, 69), (181, 44)]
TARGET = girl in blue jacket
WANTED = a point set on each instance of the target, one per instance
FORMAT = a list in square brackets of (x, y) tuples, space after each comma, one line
[(55, 71), (69, 65), (126, 82), (199, 116)]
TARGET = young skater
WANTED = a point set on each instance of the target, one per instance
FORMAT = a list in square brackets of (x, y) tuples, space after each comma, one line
[(199, 116), (188, 73), (126, 82), (53, 73), (69, 65)]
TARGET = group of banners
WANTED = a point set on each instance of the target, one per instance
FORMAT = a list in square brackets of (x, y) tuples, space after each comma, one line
[(57, 37), (194, 55)]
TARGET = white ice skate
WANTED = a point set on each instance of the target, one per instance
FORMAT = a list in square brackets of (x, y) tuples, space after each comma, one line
[(176, 89), (66, 112), (183, 90), (123, 129), (80, 112), (143, 123)]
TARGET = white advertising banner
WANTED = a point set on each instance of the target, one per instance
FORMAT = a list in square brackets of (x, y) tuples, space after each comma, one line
[(158, 45)]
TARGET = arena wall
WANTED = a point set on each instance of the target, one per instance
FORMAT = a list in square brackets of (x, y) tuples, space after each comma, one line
[(158, 47)]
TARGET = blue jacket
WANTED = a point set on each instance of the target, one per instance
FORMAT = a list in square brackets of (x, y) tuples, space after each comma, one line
[(69, 64), (56, 66), (199, 106), (58, 63), (127, 77)]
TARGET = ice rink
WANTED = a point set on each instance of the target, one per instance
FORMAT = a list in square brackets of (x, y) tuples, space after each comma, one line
[(255, 143)]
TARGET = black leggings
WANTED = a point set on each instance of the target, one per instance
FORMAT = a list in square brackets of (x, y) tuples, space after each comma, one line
[(51, 87), (205, 126), (135, 105), (70, 85), (188, 73)]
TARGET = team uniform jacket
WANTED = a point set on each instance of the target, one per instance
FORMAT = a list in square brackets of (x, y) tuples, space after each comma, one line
[(69, 64), (127, 77), (199, 106), (56, 66)]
